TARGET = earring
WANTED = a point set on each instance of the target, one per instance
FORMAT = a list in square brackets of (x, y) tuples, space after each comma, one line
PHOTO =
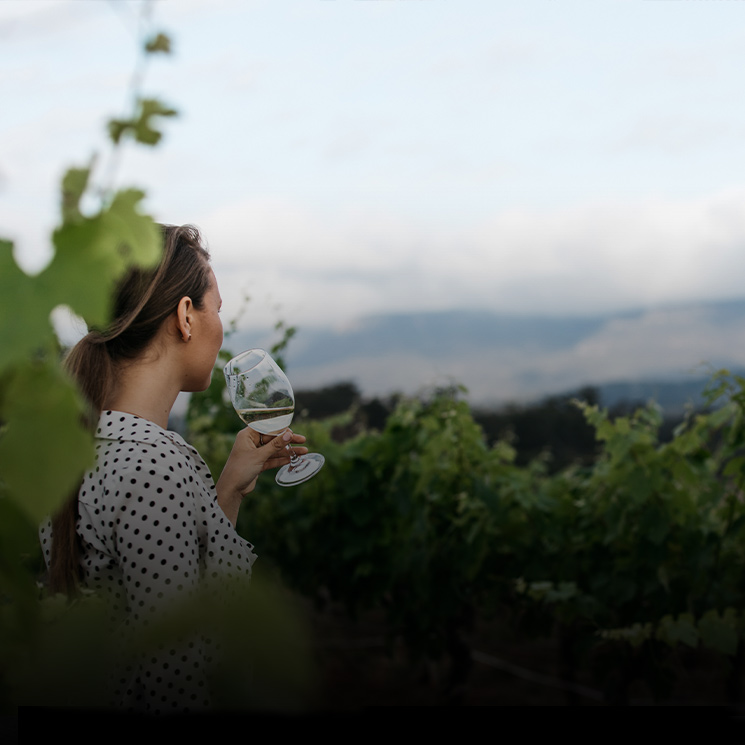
[(188, 339)]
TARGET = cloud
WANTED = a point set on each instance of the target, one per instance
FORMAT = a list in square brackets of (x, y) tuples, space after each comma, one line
[(673, 135), (392, 175), (21, 21), (347, 144), (673, 344), (609, 255), (583, 259)]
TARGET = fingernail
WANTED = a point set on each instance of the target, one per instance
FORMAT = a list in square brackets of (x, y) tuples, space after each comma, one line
[(287, 436)]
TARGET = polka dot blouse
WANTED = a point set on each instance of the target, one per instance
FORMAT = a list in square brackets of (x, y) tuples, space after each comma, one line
[(150, 530)]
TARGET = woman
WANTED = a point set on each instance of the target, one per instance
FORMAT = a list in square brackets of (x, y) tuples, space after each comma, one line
[(148, 523)]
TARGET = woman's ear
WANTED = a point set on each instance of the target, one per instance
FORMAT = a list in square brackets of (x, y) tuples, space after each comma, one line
[(184, 317)]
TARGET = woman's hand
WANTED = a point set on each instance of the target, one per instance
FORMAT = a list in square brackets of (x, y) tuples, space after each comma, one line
[(247, 460)]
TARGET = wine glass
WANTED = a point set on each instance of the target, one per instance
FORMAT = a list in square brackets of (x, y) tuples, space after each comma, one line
[(262, 397)]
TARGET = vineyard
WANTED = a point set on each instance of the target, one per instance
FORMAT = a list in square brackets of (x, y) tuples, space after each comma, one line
[(425, 567), (631, 567)]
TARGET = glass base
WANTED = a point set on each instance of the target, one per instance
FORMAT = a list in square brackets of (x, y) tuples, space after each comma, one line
[(307, 466)]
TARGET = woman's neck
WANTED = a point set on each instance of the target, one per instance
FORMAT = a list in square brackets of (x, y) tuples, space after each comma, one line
[(145, 390)]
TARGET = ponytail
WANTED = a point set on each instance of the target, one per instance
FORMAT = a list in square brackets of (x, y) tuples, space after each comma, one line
[(142, 302), (90, 365)]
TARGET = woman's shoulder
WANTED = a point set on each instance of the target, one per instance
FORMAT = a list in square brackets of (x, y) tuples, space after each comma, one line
[(138, 451), (121, 427)]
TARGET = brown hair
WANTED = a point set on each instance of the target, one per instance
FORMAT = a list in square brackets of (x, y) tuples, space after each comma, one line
[(143, 300)]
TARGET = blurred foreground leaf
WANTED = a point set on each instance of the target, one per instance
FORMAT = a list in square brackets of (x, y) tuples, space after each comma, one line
[(25, 327), (44, 449), (92, 253), (263, 663)]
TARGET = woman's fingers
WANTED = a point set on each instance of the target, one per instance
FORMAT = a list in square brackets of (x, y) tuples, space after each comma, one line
[(274, 450), (277, 441), (282, 459), (278, 447), (273, 453), (248, 458), (281, 441)]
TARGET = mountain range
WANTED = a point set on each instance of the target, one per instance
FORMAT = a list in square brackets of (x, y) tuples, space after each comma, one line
[(665, 353)]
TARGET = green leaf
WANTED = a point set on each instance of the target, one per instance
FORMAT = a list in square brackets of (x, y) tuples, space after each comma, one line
[(722, 415), (141, 126), (655, 523), (119, 127), (734, 467), (20, 542), (74, 184), (92, 253), (44, 448), (136, 235), (636, 634), (717, 633), (158, 43), (681, 630), (563, 591), (25, 327), (144, 130)]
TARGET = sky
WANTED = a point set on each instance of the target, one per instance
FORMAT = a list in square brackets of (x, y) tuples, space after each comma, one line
[(352, 157)]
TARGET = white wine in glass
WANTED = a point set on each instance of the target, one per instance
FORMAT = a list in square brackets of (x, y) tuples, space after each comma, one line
[(269, 421), (262, 397)]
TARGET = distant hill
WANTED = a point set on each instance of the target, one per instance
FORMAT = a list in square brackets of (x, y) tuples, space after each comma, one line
[(673, 397), (662, 353)]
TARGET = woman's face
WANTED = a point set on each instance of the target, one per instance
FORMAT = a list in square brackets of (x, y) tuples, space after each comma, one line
[(206, 339)]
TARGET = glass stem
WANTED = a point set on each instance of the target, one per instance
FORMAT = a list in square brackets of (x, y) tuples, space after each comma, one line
[(293, 457)]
